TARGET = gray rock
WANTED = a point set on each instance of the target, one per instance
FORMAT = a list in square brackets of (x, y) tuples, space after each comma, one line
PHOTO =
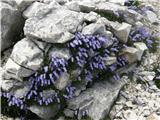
[(48, 93), (59, 52), (151, 16), (141, 47), (147, 75), (45, 112), (32, 9), (11, 24), (26, 58), (10, 2), (97, 29), (110, 60), (131, 16), (23, 4), (13, 70), (109, 7), (86, 6), (61, 2), (73, 5), (121, 2), (91, 17), (63, 81), (57, 27), (96, 100), (94, 28), (122, 31), (20, 89), (132, 54)]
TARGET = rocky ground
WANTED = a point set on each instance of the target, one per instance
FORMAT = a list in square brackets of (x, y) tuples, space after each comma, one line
[(43, 27)]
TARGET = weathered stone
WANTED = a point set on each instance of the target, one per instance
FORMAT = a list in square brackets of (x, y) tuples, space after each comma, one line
[(63, 81), (147, 75), (91, 17), (132, 54), (131, 16), (97, 29), (109, 7), (32, 9), (26, 58), (45, 112), (94, 28), (20, 89), (151, 16), (122, 31), (7, 85), (96, 100), (27, 54), (131, 115), (87, 6), (110, 60), (121, 2), (60, 52), (57, 27), (23, 4), (13, 70), (11, 24), (73, 5), (141, 47)]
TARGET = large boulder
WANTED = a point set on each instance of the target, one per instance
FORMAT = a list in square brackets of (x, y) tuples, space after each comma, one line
[(11, 23), (58, 25), (25, 59), (96, 101)]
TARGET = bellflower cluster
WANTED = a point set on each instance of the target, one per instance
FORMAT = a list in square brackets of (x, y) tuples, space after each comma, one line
[(12, 100), (88, 52), (141, 34)]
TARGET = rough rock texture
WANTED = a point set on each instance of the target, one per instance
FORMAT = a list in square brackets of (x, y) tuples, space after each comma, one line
[(45, 112), (50, 25), (122, 31), (23, 4), (96, 100), (26, 57), (133, 54), (57, 27), (11, 23)]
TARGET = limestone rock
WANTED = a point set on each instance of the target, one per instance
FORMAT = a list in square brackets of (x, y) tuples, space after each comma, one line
[(62, 82), (97, 29), (32, 9), (96, 100), (57, 27), (11, 24), (122, 31), (142, 47), (45, 112), (131, 16), (109, 7), (91, 17), (151, 16), (110, 60), (23, 4), (26, 58), (73, 5), (132, 54), (13, 70), (59, 52)]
